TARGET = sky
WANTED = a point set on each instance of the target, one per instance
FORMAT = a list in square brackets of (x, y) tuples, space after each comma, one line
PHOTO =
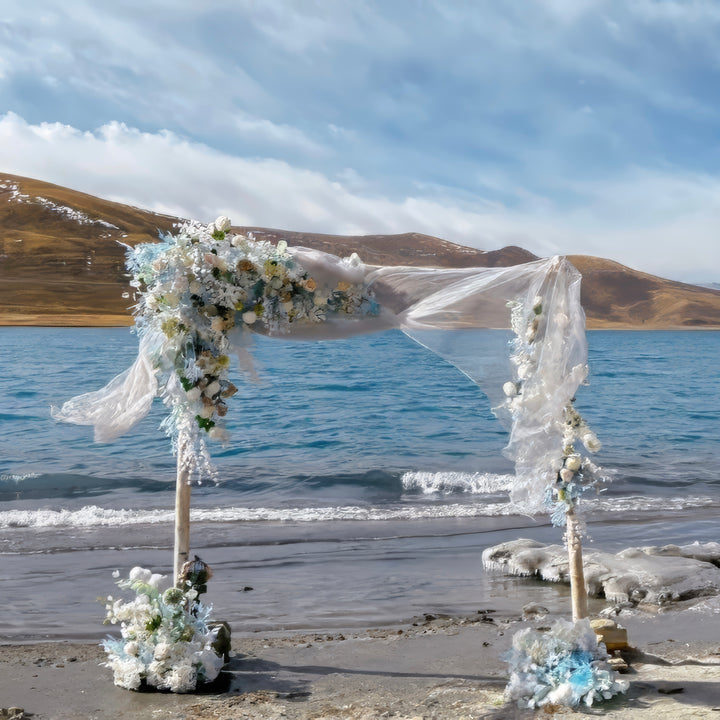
[(561, 126)]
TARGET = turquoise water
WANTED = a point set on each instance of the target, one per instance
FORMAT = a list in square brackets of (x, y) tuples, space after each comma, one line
[(362, 459)]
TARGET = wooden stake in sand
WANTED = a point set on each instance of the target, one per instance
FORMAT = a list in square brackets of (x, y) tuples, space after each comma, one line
[(182, 513), (578, 591)]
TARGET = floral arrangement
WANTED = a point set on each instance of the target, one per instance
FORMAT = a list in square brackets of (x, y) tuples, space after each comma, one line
[(194, 289), (165, 640), (573, 474), (563, 666)]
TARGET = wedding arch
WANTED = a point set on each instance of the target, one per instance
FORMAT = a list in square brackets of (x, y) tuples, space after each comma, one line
[(203, 291)]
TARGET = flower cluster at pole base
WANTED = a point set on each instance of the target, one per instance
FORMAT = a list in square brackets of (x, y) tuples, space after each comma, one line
[(195, 290), (563, 666), (165, 640)]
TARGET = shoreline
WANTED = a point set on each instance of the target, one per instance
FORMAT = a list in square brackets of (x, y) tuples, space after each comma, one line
[(90, 320), (438, 666)]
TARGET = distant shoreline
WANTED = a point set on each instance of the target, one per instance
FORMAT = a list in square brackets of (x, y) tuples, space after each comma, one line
[(91, 320)]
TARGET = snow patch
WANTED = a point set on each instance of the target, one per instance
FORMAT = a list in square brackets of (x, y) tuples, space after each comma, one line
[(15, 195)]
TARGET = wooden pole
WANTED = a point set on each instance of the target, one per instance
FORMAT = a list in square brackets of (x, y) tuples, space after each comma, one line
[(182, 513), (578, 591)]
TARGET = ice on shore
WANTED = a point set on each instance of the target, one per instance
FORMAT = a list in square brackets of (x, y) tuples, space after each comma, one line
[(654, 575)]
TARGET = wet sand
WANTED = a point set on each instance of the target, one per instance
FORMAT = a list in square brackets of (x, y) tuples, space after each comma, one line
[(435, 667)]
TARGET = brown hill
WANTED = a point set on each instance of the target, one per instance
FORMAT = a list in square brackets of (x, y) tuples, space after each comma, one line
[(62, 263)]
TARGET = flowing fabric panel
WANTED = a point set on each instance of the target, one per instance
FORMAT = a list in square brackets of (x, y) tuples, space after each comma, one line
[(187, 325)]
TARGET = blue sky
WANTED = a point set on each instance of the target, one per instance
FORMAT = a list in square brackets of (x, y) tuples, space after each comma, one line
[(562, 126)]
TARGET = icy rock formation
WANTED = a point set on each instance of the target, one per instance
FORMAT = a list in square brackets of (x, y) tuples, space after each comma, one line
[(655, 575)]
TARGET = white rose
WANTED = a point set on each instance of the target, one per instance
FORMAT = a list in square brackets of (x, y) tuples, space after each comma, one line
[(573, 463), (217, 324), (222, 223), (156, 580), (287, 306), (162, 651), (207, 412), (193, 394), (525, 371), (562, 320), (249, 317), (212, 389), (195, 287), (219, 434), (590, 441), (319, 300), (510, 389), (140, 573), (566, 475), (132, 648)]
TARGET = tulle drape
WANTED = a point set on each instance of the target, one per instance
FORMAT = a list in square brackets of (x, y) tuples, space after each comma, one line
[(463, 315)]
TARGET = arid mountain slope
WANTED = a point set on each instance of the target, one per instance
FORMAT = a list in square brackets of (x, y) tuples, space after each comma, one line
[(62, 263)]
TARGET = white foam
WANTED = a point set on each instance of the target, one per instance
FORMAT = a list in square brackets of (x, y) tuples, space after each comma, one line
[(94, 516), (448, 482)]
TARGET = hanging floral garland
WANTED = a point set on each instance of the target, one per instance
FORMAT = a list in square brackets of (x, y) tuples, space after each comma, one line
[(193, 290), (573, 473)]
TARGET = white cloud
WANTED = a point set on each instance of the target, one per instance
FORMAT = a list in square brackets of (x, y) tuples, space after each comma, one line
[(663, 223)]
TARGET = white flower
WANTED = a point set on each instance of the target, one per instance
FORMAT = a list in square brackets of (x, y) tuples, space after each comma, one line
[(162, 651), (126, 673), (217, 324), (510, 389), (590, 441), (212, 389), (115, 574), (140, 574), (222, 223), (207, 412), (210, 662), (183, 678), (566, 475), (573, 463), (282, 247), (525, 371), (157, 580), (195, 287), (132, 648), (219, 434), (561, 320), (193, 394), (249, 317)]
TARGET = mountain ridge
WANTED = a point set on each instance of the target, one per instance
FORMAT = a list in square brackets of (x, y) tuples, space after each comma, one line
[(62, 263)]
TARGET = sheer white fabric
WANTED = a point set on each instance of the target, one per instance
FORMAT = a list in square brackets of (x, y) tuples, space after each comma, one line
[(121, 404), (461, 314)]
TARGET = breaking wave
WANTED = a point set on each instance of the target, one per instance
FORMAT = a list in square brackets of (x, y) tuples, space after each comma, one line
[(94, 516)]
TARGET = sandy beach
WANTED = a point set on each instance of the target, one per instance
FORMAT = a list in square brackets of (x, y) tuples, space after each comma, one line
[(436, 667)]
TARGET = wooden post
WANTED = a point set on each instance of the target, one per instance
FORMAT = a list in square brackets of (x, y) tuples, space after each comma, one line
[(578, 591), (182, 513)]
